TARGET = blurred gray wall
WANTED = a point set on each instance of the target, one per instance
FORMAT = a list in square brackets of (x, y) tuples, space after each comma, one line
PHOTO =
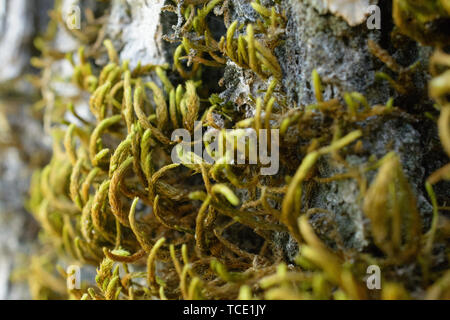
[(22, 142)]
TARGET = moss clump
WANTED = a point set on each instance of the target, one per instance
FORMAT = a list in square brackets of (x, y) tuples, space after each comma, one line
[(111, 196), (423, 21)]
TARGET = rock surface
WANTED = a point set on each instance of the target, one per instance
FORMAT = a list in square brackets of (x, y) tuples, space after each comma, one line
[(314, 39)]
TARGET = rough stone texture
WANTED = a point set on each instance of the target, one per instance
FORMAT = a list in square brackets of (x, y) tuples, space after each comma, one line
[(316, 39), (338, 52), (343, 198), (135, 26)]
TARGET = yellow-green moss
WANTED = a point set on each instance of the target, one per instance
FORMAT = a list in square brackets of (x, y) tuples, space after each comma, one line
[(94, 197)]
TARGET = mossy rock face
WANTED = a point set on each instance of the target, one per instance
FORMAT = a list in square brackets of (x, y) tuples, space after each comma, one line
[(357, 127), (424, 21)]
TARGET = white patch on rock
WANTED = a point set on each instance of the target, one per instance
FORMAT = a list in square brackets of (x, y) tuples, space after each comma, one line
[(140, 31), (354, 12)]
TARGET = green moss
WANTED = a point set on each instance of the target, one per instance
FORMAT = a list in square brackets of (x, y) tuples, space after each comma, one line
[(423, 21), (94, 197)]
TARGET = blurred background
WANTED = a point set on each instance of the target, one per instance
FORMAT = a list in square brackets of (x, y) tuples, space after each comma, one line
[(23, 143)]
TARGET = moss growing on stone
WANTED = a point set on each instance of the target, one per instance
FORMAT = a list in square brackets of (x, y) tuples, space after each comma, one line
[(112, 198)]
